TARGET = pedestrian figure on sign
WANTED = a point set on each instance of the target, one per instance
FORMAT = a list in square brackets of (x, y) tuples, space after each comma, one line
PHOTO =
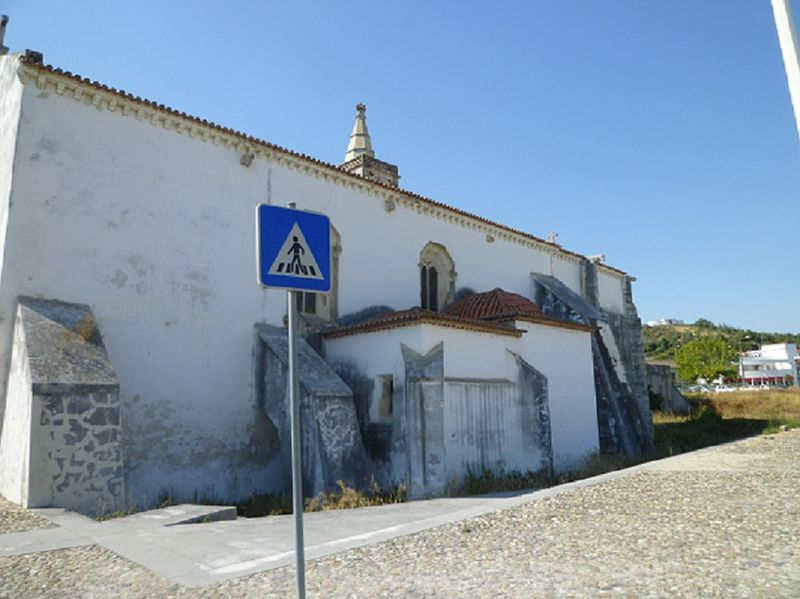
[(296, 250)]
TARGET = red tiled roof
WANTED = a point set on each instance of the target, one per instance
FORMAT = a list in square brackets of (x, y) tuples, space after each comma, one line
[(32, 62), (493, 304), (414, 316), (502, 306)]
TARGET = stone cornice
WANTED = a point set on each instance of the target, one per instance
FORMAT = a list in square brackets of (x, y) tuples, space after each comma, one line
[(102, 97)]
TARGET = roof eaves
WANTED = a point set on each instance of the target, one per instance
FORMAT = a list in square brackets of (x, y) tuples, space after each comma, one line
[(552, 322), (35, 65), (406, 321)]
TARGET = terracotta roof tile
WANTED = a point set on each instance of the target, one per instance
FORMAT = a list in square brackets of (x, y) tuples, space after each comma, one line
[(493, 304), (254, 140), (502, 306)]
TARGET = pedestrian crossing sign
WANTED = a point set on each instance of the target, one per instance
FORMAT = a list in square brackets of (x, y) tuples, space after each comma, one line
[(293, 249)]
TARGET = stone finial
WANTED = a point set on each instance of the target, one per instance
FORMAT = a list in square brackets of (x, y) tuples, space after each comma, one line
[(3, 23), (360, 142)]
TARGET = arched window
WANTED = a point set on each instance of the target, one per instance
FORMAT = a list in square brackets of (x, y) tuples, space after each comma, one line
[(437, 277), (429, 288)]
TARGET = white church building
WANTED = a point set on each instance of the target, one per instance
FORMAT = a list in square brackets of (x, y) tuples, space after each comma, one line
[(139, 357)]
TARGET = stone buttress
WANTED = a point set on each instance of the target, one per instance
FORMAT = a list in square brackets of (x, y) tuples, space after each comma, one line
[(61, 443)]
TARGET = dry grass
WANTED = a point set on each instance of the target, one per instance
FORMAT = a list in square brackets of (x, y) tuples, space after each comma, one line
[(343, 498), (717, 418), (781, 404), (346, 497), (484, 481), (594, 465), (721, 417), (481, 481)]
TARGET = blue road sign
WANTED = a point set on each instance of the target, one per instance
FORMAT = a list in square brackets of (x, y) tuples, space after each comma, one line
[(293, 248)]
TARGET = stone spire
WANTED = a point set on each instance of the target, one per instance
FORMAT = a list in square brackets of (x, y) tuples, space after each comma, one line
[(359, 139), (360, 158)]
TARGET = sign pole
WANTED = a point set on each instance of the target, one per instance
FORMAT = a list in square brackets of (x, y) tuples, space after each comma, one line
[(297, 456), (293, 252), (297, 467)]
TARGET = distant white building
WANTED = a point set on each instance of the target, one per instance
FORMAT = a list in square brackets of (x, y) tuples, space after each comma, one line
[(662, 322), (773, 365)]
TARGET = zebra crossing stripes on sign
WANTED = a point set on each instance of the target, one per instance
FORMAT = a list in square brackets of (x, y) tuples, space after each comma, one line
[(293, 249), (295, 257)]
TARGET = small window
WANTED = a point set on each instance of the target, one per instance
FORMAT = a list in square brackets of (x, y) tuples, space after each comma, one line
[(385, 391), (306, 302)]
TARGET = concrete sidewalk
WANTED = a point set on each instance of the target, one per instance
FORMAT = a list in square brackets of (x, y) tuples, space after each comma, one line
[(177, 543), (204, 553)]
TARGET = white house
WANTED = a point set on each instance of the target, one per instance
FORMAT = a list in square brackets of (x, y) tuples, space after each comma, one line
[(138, 356), (774, 364), (662, 322)]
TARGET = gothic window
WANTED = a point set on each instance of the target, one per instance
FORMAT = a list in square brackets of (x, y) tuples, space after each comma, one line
[(437, 277), (429, 284)]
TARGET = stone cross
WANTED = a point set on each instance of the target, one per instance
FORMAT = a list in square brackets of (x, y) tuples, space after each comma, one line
[(3, 23)]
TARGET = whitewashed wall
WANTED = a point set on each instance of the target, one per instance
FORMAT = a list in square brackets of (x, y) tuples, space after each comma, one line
[(609, 291), (375, 354), (15, 442), (475, 355), (564, 356), (15, 436), (10, 104), (155, 229), (485, 421), (467, 354)]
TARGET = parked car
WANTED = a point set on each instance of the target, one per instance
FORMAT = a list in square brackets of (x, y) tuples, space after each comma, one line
[(698, 389)]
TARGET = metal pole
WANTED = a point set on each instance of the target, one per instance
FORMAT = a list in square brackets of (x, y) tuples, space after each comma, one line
[(790, 49), (297, 463), (297, 454)]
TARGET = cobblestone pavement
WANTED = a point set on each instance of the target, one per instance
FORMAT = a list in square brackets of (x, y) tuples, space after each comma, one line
[(719, 523), (16, 519)]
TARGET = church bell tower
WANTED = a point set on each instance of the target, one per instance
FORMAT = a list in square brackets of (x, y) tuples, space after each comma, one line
[(360, 157)]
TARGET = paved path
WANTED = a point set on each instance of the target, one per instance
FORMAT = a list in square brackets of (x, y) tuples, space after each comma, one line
[(723, 522)]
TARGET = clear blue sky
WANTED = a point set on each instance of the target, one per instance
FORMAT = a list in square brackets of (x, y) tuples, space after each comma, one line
[(659, 133)]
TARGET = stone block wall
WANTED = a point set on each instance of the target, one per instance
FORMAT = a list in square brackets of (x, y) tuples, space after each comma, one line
[(661, 383), (61, 444), (76, 454)]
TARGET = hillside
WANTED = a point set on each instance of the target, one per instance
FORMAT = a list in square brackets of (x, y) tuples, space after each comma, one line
[(661, 342)]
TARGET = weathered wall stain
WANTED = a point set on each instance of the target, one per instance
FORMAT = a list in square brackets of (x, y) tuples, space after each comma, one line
[(119, 279), (332, 443), (159, 434)]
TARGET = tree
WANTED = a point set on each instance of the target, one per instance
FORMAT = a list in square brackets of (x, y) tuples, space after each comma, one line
[(702, 323), (706, 357)]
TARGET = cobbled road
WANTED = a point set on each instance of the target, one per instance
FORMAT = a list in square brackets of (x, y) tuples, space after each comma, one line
[(718, 523)]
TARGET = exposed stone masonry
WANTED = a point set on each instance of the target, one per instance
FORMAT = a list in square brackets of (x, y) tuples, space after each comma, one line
[(62, 437)]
